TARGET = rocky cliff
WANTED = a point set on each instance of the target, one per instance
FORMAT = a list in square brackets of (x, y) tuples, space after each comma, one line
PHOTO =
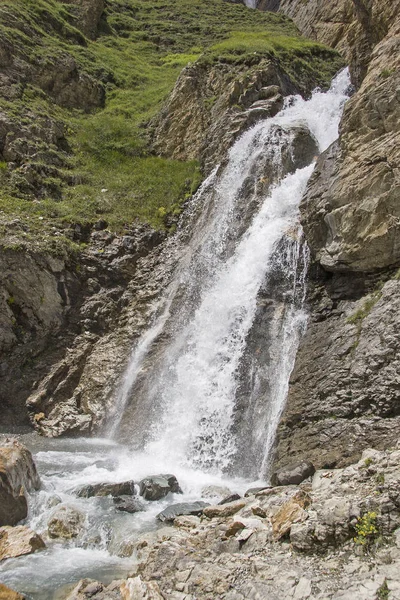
[(344, 392)]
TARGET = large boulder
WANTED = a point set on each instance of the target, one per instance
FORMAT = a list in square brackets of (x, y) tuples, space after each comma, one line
[(127, 488), (66, 522), (158, 486), (182, 509), (293, 474), (17, 541), (17, 475)]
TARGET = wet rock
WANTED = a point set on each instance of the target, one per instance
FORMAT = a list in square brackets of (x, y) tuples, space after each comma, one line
[(293, 474), (182, 509), (17, 541), (127, 488), (66, 522), (230, 498), (224, 510), (129, 504), (17, 475), (7, 594), (158, 486)]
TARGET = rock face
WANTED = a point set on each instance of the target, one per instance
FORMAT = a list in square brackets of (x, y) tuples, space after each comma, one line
[(211, 105), (88, 13), (17, 475), (343, 393), (353, 27), (17, 541)]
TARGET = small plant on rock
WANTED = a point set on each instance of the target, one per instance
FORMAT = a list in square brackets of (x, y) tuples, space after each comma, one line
[(383, 591), (366, 529)]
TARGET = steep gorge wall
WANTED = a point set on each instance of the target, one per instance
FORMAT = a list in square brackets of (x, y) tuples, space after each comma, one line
[(345, 392)]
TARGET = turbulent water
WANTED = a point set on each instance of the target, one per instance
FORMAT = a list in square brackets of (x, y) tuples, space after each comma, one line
[(206, 385)]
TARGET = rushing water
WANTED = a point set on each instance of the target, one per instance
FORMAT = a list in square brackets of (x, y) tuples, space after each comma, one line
[(206, 385)]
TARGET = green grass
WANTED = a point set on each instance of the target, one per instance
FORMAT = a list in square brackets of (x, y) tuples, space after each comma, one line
[(141, 48)]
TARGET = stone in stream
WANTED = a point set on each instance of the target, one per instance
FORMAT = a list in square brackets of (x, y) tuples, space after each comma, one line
[(66, 522), (158, 486), (126, 488), (182, 509), (229, 499), (293, 474), (7, 594), (17, 475), (17, 541), (129, 504)]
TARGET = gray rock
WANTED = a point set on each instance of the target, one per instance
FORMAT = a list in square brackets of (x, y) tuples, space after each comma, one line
[(293, 474), (230, 498), (129, 504), (126, 488), (182, 509), (158, 486)]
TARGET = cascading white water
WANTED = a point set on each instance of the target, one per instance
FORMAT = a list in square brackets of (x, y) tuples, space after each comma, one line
[(206, 384), (195, 382), (251, 3)]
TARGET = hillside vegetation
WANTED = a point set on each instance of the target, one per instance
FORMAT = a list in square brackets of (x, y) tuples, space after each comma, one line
[(73, 137)]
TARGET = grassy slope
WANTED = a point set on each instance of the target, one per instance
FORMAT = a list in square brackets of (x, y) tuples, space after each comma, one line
[(142, 46)]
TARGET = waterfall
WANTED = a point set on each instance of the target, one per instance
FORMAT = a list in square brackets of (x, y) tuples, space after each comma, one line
[(206, 385), (251, 3)]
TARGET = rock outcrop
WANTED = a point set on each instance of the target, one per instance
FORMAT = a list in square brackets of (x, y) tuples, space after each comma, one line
[(353, 27), (343, 394), (212, 104), (17, 475)]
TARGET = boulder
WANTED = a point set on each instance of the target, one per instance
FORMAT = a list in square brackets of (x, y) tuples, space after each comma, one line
[(66, 522), (158, 486), (224, 510), (291, 512), (7, 594), (17, 541), (181, 509), (293, 474), (126, 488), (129, 504), (17, 475)]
